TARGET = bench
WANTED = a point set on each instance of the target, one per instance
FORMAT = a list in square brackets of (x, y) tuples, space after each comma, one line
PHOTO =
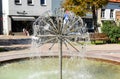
[(98, 37)]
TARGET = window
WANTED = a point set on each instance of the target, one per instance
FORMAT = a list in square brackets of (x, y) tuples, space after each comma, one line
[(43, 2), (18, 2), (30, 2), (111, 13), (103, 13)]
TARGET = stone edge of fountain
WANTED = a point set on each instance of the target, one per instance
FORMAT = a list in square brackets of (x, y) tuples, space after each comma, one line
[(18, 56)]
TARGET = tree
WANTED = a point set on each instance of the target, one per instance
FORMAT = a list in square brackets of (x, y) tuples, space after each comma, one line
[(81, 7), (75, 6)]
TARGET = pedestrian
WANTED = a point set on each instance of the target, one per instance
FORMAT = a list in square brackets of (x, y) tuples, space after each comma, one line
[(25, 32), (66, 17)]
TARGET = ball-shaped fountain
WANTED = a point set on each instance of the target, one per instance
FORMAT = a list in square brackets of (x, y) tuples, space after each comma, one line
[(59, 27)]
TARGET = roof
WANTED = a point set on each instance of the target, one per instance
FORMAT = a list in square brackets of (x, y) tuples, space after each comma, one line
[(115, 1)]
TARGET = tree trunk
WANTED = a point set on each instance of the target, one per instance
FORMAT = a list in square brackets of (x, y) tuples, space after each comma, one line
[(94, 18)]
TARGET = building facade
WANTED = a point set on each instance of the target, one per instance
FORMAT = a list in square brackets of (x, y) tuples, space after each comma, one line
[(109, 12), (19, 14)]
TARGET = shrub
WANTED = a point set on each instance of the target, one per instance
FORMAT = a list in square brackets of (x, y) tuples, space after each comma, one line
[(111, 30)]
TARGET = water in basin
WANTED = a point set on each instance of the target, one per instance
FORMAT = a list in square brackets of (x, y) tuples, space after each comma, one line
[(48, 68)]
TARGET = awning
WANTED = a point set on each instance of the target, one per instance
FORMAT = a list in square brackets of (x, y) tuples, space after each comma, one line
[(23, 18)]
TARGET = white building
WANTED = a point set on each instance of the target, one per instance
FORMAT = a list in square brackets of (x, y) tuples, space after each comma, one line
[(19, 14), (108, 12)]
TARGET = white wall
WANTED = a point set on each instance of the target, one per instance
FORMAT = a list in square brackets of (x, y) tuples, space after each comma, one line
[(35, 10), (5, 6), (5, 16), (107, 14), (108, 7)]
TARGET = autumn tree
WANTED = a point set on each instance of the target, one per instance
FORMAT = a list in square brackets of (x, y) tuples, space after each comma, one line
[(81, 7)]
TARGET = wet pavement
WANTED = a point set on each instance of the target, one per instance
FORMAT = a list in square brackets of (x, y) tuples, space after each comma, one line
[(20, 47)]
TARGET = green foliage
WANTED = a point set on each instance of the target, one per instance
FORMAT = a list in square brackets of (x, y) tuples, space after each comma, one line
[(81, 7), (111, 30), (76, 6)]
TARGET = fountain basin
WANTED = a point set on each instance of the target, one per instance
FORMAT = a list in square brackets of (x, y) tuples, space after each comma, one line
[(30, 69)]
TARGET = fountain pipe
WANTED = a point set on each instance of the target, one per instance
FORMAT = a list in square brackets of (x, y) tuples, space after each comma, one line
[(60, 55)]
